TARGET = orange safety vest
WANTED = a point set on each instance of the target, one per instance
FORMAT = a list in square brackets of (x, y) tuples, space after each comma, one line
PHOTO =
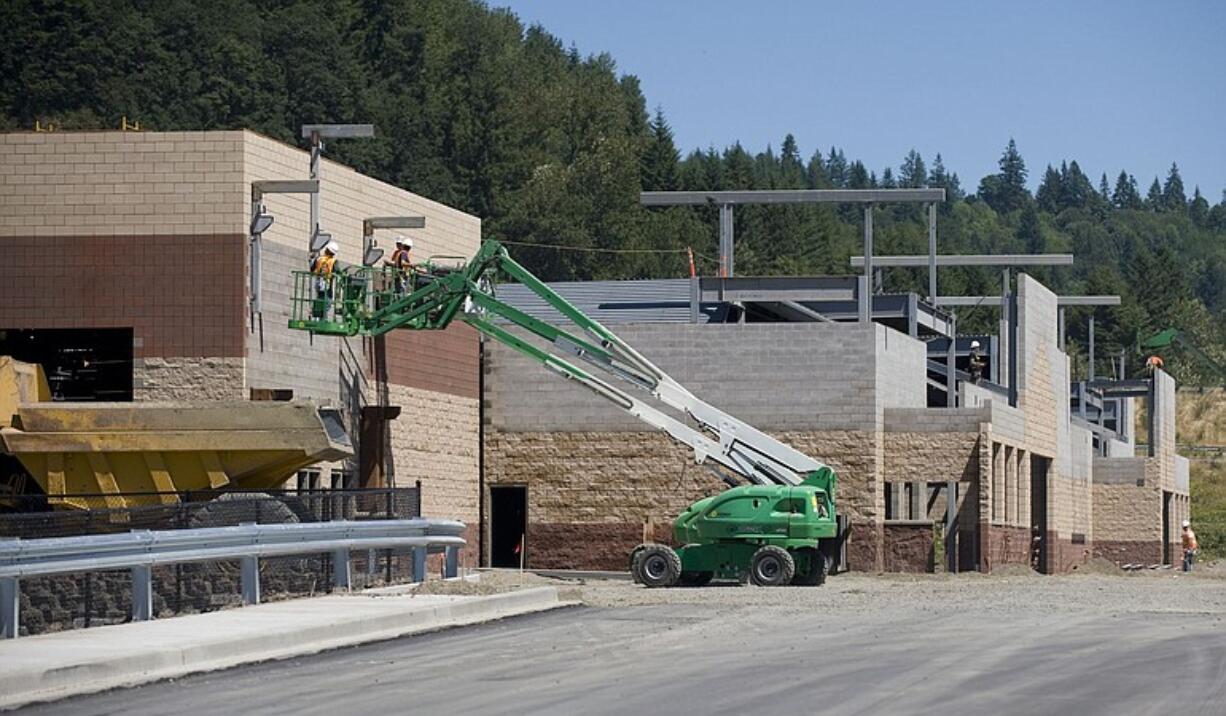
[(1189, 540), (400, 259), (323, 265)]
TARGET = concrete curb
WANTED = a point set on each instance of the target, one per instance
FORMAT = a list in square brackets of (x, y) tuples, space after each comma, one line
[(55, 666)]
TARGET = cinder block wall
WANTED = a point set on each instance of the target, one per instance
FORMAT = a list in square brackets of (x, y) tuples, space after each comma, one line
[(594, 475)]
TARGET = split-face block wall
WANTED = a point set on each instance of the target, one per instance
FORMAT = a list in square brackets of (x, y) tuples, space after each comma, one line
[(849, 395), (148, 231)]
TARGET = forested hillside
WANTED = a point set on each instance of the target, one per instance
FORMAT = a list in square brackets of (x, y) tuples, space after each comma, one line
[(551, 146)]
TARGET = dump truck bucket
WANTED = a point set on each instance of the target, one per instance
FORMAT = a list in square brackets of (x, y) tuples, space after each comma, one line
[(113, 448)]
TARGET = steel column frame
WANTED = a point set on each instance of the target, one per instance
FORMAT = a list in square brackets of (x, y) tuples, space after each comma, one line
[(1060, 326), (790, 196), (932, 252), (256, 239), (866, 296), (726, 230), (951, 378)]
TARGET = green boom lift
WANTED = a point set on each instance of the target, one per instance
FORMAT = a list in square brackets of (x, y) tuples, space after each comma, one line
[(780, 528)]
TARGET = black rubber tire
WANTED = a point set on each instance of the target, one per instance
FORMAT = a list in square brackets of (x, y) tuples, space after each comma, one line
[(819, 567), (657, 566), (771, 566), (634, 555), (695, 579)]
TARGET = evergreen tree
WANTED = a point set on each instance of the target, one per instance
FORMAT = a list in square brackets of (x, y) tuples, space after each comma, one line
[(836, 168), (660, 160), (1154, 200), (1173, 197), (1126, 195), (1049, 194), (1104, 188), (791, 171), (1198, 209), (857, 176), (913, 174), (1030, 232), (887, 179), (1076, 190), (1007, 192), (816, 172), (938, 177)]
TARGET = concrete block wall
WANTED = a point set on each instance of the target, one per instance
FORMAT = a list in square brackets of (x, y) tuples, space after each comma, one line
[(822, 388), (812, 376)]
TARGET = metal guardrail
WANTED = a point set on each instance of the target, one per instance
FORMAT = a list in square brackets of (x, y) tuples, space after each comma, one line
[(141, 550)]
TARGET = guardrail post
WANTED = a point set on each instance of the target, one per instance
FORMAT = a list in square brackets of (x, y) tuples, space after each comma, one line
[(419, 564), (251, 580), (341, 575), (10, 607), (453, 561), (142, 593)]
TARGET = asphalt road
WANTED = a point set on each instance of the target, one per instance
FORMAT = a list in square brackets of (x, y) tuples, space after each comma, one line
[(691, 658)]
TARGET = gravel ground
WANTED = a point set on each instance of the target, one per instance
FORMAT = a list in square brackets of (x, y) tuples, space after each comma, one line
[(1098, 588)]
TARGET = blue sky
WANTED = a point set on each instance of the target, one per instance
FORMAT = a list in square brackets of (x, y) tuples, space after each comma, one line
[(1114, 85)]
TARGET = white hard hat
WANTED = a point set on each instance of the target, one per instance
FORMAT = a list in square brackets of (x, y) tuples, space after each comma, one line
[(1187, 524), (332, 247), (403, 241), (974, 344)]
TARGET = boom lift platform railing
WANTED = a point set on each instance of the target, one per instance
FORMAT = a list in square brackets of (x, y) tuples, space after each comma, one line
[(372, 301)]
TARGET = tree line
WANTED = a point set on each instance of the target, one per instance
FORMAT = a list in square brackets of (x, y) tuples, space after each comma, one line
[(552, 147)]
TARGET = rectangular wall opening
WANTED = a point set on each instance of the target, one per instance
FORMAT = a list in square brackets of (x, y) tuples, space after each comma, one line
[(1039, 467), (508, 524), (82, 364)]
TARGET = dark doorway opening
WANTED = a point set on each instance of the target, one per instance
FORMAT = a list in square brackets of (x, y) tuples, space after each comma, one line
[(82, 364), (374, 437), (1039, 468), (508, 524), (1166, 527)]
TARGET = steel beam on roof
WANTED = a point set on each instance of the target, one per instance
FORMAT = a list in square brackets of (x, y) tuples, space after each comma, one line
[(789, 196), (918, 261), (996, 300), (396, 222), (284, 186), (338, 131)]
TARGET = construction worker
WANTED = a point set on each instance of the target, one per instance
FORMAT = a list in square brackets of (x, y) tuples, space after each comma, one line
[(401, 263), (324, 267), (977, 362), (1154, 363), (1190, 547)]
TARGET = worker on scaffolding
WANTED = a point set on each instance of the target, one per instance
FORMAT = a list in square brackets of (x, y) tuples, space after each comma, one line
[(1190, 547), (977, 363), (401, 264), (324, 268)]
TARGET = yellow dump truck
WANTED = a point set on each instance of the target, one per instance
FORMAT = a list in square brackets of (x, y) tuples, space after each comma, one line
[(66, 450)]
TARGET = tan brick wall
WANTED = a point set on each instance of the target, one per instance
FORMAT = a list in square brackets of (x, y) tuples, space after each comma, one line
[(1127, 513), (164, 379), (435, 440), (935, 457), (121, 183)]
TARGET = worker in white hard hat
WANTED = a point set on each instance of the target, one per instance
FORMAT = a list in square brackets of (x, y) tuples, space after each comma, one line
[(1190, 547), (976, 365), (400, 263), (324, 266)]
